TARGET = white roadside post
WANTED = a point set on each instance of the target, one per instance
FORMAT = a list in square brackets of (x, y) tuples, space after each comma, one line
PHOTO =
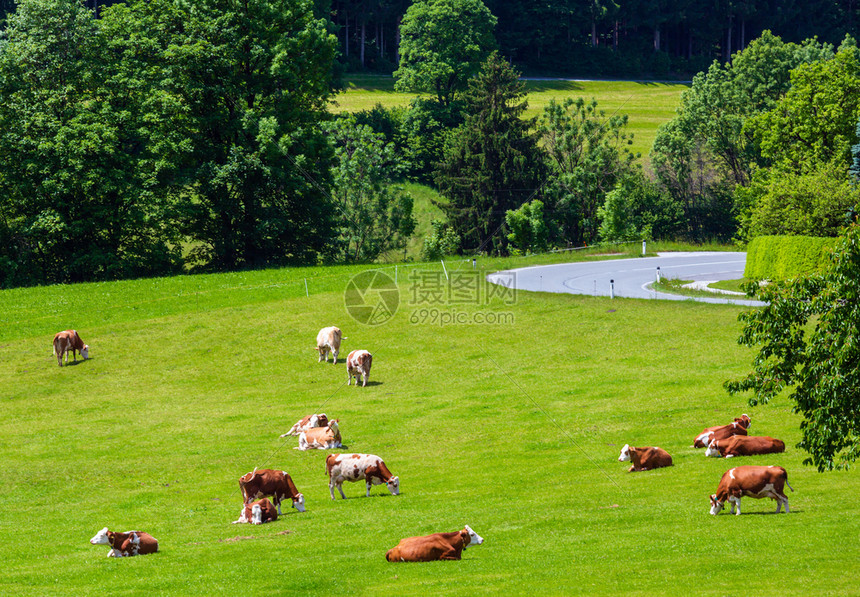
[(612, 289)]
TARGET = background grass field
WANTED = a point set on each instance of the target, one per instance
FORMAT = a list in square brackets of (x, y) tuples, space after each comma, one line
[(513, 428), (647, 104)]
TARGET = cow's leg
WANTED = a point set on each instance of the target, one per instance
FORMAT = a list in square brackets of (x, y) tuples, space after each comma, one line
[(331, 487), (451, 554), (369, 482), (363, 380), (349, 377), (736, 503), (340, 489), (277, 501), (334, 354)]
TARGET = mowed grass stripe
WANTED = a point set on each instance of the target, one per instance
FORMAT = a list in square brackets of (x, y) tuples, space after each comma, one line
[(153, 432)]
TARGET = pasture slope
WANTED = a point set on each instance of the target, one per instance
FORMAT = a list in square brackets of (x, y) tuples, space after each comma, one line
[(512, 428)]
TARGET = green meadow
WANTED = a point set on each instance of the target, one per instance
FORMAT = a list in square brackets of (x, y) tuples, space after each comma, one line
[(513, 427), (647, 104)]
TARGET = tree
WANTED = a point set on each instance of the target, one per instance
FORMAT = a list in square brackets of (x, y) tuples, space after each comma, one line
[(252, 80), (529, 233), (374, 215), (443, 44), (638, 209), (809, 338), (79, 187), (816, 120), (587, 154), (492, 162)]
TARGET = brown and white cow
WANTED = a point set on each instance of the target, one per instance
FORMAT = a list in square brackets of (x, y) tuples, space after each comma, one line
[(321, 438), (644, 459), (438, 546), (737, 427), (358, 363), (259, 512), (352, 467), (307, 422), (328, 341), (130, 543), (744, 445), (69, 341), (752, 481), (267, 482)]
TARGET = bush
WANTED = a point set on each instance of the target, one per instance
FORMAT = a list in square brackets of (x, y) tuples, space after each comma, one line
[(782, 257), (441, 242)]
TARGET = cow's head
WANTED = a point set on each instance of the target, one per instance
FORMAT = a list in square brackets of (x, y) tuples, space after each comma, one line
[(85, 351), (716, 505), (713, 451), (299, 502), (102, 537), (744, 421), (625, 453), (393, 485), (474, 538)]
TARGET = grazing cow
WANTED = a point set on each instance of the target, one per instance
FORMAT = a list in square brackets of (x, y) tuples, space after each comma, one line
[(321, 438), (267, 482), (358, 363), (130, 543), (328, 341), (644, 459), (438, 546), (69, 341), (352, 467), (259, 512), (752, 481), (308, 422), (744, 445), (737, 427)]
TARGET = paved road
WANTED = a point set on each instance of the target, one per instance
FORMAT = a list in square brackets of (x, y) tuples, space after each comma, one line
[(632, 277)]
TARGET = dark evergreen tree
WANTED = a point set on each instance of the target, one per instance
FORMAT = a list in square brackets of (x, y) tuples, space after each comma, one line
[(492, 162)]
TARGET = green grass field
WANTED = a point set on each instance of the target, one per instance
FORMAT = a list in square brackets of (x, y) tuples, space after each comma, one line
[(513, 428), (647, 104)]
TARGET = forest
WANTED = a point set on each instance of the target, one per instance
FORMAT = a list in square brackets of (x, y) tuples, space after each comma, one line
[(160, 137)]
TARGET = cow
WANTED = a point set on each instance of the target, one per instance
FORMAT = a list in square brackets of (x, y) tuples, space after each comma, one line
[(352, 467), (259, 512), (69, 341), (737, 427), (321, 438), (438, 546), (307, 422), (644, 459), (130, 543), (752, 481), (267, 482), (328, 341), (358, 363), (744, 445)]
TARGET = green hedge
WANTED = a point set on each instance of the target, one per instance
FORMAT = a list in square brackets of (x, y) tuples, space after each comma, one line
[(780, 257)]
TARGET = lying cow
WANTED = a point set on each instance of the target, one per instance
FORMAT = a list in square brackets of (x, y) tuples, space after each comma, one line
[(744, 445), (644, 459), (69, 341), (438, 546), (352, 467), (267, 482), (737, 427), (752, 481), (321, 438), (308, 422), (328, 341), (130, 543), (259, 512), (358, 363)]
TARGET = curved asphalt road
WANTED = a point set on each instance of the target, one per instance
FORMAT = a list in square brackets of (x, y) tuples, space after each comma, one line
[(632, 277)]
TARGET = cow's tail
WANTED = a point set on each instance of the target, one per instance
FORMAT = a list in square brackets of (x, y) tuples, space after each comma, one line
[(785, 475), (54, 349)]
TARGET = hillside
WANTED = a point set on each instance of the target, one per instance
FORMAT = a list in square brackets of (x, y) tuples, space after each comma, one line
[(513, 428)]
